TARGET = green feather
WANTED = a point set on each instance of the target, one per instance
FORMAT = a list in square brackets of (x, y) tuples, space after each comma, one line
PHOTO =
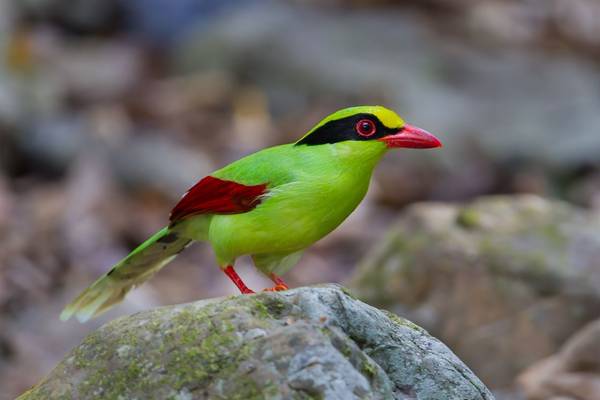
[(311, 191), (133, 270)]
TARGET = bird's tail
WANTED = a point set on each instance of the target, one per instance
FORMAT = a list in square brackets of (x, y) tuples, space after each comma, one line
[(137, 267)]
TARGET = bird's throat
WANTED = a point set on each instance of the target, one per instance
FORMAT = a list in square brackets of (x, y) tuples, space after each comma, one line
[(359, 156)]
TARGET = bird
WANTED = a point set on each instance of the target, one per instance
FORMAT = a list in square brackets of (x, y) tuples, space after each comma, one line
[(270, 205)]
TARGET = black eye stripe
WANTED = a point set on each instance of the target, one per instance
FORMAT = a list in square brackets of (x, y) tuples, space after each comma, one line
[(344, 129)]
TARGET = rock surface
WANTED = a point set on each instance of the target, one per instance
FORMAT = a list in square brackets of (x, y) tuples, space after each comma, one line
[(306, 343), (572, 374), (508, 276)]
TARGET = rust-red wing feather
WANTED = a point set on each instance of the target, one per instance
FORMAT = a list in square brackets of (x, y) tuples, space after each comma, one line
[(217, 196)]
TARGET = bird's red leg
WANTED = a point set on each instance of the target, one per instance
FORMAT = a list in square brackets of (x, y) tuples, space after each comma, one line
[(235, 278), (279, 284)]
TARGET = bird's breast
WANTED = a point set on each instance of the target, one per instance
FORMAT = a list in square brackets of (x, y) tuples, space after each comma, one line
[(292, 216)]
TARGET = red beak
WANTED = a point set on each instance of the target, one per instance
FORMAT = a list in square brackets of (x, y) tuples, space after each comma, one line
[(413, 138)]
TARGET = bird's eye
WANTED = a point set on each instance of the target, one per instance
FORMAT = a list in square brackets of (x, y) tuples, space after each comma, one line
[(365, 127)]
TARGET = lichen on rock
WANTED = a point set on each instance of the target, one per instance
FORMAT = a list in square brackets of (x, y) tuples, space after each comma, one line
[(306, 343)]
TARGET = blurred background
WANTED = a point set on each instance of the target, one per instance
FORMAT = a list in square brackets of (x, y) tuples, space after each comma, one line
[(111, 109)]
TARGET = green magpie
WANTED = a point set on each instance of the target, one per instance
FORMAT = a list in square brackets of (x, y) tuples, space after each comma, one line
[(270, 205)]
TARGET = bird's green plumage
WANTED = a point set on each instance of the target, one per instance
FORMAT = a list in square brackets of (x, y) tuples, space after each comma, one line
[(137, 267), (311, 189)]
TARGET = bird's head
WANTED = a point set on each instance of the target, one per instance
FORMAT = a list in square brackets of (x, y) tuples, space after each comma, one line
[(369, 124)]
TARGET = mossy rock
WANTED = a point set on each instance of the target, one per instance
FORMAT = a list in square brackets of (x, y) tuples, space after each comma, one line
[(306, 343), (512, 276)]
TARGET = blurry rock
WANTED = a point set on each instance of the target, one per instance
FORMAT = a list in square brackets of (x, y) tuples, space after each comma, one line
[(571, 374), (207, 110), (148, 159), (14, 50), (576, 22), (6, 202), (513, 22), (77, 17), (88, 69), (93, 217), (251, 119), (55, 141), (154, 161), (311, 342), (162, 22), (184, 97), (508, 276), (586, 190), (510, 22)]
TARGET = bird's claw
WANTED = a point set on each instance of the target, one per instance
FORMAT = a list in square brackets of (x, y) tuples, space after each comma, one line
[(277, 288)]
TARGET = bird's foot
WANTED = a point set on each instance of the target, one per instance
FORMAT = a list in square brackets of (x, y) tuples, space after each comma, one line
[(277, 288), (280, 285), (235, 278)]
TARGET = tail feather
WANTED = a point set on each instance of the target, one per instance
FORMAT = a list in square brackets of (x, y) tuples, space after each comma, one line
[(137, 267)]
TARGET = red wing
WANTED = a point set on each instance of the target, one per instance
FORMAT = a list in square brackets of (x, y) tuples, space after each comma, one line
[(217, 196)]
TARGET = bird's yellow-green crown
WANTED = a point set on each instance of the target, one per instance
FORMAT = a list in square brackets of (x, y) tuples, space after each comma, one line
[(343, 125), (387, 117)]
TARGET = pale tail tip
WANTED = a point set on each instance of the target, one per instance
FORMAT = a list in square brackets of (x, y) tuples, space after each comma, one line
[(82, 318), (69, 312), (66, 314)]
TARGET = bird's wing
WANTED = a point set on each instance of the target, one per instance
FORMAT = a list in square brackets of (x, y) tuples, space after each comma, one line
[(218, 196)]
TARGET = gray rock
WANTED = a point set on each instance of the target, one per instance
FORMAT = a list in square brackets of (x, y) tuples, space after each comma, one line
[(508, 276), (307, 343)]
